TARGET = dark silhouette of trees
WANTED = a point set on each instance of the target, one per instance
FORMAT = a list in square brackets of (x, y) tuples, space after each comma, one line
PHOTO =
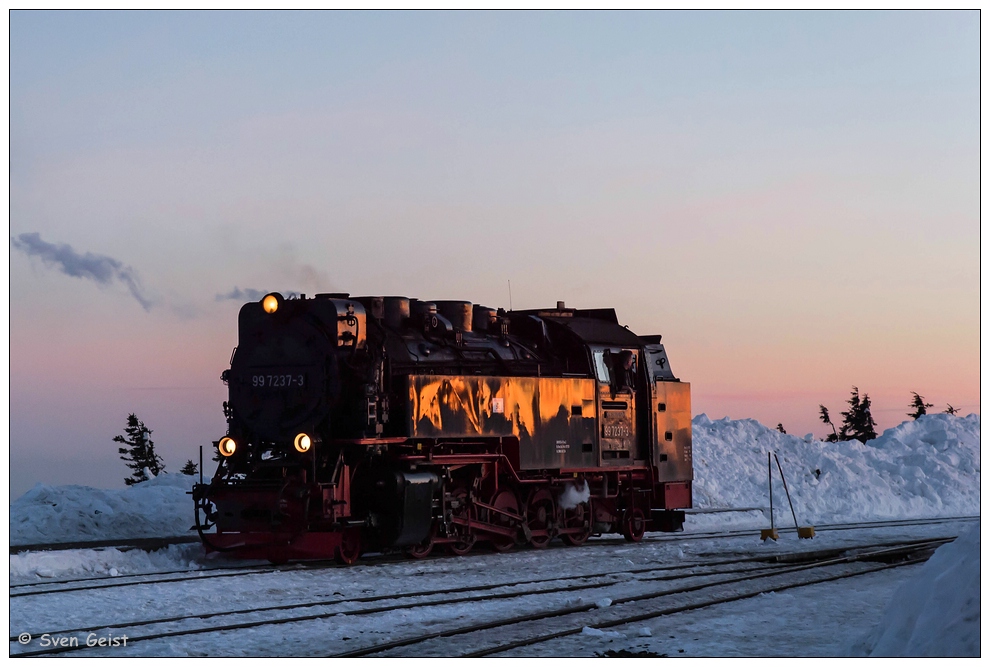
[(919, 406), (857, 422), (780, 427), (139, 451), (823, 415), (190, 468), (949, 410)]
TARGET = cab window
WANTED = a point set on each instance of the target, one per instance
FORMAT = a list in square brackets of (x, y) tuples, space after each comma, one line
[(601, 367)]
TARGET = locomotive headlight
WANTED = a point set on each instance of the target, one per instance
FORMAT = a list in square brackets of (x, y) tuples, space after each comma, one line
[(227, 447), (302, 443), (270, 303)]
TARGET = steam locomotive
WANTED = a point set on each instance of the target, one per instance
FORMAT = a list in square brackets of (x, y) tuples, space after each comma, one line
[(386, 423)]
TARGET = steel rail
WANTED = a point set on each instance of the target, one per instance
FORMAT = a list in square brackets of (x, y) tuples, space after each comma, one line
[(199, 575), (143, 543), (689, 607), (788, 557), (413, 594), (156, 543), (637, 598), (170, 580), (114, 582), (162, 573), (774, 571), (743, 532), (387, 558)]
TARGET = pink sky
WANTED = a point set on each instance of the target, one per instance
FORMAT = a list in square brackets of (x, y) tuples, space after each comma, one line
[(791, 199)]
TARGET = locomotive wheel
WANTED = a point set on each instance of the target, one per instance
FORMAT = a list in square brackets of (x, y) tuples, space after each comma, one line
[(504, 500), (633, 525), (540, 513), (350, 547), (422, 550), (461, 548), (577, 518), (466, 538)]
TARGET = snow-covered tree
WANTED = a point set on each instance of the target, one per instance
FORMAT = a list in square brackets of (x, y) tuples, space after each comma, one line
[(139, 451), (918, 406)]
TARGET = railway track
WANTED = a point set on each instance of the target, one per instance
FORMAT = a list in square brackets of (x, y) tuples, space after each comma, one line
[(156, 543), (914, 553), (109, 577), (142, 543), (27, 589), (192, 576), (742, 532), (725, 571), (608, 579)]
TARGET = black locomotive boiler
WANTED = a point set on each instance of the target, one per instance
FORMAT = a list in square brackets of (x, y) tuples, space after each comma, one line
[(379, 423)]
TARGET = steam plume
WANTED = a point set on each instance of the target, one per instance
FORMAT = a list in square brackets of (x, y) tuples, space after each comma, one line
[(573, 496), (99, 268), (238, 294), (248, 294)]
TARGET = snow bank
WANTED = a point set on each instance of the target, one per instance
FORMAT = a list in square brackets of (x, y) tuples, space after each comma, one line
[(937, 612), (38, 566), (923, 468), (156, 508)]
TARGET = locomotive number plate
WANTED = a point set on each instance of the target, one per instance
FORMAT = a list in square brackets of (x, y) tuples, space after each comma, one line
[(616, 430), (273, 381)]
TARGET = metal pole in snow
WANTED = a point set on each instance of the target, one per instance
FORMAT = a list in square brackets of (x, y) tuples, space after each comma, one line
[(770, 484), (785, 488), (201, 464)]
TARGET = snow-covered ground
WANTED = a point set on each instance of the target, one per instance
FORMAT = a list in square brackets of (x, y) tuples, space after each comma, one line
[(924, 468), (937, 611)]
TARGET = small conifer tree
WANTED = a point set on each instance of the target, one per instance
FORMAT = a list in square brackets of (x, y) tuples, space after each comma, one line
[(949, 410), (780, 427), (857, 422), (138, 451), (823, 415), (190, 468), (918, 405), (867, 425)]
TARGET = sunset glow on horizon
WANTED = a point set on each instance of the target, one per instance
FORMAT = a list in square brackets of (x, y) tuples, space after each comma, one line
[(791, 199)]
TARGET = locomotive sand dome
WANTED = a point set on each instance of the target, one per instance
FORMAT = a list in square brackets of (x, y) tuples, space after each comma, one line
[(376, 423)]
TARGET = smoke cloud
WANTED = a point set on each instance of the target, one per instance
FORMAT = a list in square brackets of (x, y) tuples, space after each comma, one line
[(99, 268), (248, 294), (238, 294)]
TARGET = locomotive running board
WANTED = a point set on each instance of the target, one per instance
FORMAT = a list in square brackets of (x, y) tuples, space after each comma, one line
[(485, 527)]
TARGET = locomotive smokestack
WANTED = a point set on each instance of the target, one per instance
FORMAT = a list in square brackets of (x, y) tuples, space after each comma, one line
[(560, 305)]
